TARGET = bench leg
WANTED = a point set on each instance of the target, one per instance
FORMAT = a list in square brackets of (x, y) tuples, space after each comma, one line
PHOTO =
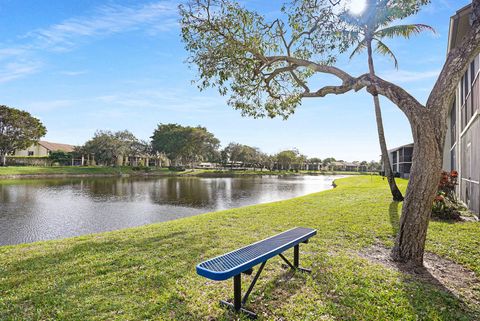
[(296, 255), (255, 278), (237, 292), (237, 298), (296, 260)]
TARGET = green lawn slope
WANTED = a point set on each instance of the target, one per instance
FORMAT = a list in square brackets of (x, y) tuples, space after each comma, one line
[(148, 273)]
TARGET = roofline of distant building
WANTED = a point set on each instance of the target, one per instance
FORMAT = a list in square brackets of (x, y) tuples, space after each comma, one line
[(452, 32), (400, 147)]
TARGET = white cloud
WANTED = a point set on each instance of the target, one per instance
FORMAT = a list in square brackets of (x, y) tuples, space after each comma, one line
[(153, 18), (122, 104), (49, 105), (6, 53), (170, 99), (73, 72), (403, 76), (14, 70), (105, 21)]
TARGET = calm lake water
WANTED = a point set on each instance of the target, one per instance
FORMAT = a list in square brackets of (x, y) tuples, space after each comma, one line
[(46, 209)]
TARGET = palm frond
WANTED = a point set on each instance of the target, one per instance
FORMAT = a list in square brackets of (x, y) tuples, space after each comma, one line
[(351, 35), (403, 31), (360, 47), (383, 49), (388, 11)]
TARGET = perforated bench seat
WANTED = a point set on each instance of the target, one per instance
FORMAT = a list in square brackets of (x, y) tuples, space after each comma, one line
[(225, 266), (242, 260)]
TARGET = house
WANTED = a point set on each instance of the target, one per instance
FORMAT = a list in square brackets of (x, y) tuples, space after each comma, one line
[(352, 167), (314, 166), (337, 166), (401, 160), (345, 166), (462, 143), (206, 165), (43, 149)]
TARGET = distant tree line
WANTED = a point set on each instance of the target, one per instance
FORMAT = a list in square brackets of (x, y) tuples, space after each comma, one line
[(188, 146), (172, 144)]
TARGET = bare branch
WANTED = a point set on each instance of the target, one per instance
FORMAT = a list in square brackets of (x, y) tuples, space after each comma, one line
[(312, 65), (300, 82), (405, 102)]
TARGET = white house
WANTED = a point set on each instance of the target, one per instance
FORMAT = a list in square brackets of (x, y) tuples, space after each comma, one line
[(401, 160), (462, 143)]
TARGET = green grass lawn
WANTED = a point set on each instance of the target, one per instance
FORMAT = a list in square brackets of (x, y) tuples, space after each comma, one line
[(148, 273)]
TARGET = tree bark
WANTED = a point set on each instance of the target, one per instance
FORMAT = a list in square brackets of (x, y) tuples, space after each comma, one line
[(429, 127), (422, 188), (396, 194)]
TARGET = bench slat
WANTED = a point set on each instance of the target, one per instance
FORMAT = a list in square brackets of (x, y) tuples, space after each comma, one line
[(230, 264)]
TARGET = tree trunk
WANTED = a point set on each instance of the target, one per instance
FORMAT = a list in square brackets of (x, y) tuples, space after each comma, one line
[(4, 160), (422, 188), (396, 194)]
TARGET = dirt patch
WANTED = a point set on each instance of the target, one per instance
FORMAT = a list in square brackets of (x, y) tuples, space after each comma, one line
[(441, 272)]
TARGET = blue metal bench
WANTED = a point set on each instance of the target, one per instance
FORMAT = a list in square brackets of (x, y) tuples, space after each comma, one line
[(243, 260)]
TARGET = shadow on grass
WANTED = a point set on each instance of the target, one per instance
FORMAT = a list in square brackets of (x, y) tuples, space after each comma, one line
[(426, 293), (428, 297)]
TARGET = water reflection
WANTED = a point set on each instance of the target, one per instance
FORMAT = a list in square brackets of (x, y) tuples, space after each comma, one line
[(54, 208)]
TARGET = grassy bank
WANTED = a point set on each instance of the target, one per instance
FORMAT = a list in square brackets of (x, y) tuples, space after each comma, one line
[(148, 273), (38, 171)]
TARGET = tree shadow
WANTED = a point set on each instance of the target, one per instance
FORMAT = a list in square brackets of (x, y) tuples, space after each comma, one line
[(419, 287), (394, 217), (427, 293)]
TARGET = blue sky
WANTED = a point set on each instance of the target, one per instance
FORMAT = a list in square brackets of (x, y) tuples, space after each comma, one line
[(86, 65)]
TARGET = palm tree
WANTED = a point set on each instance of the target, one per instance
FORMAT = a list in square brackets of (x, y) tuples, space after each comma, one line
[(365, 30)]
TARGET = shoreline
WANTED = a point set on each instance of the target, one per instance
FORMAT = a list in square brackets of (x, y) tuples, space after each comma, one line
[(332, 186), (98, 172)]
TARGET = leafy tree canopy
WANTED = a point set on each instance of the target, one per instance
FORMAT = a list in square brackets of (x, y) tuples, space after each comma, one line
[(18, 130), (287, 157), (243, 153), (185, 143), (266, 66), (107, 146)]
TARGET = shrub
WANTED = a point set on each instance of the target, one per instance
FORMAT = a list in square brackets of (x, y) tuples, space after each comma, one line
[(177, 168), (60, 158), (446, 205), (141, 168)]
